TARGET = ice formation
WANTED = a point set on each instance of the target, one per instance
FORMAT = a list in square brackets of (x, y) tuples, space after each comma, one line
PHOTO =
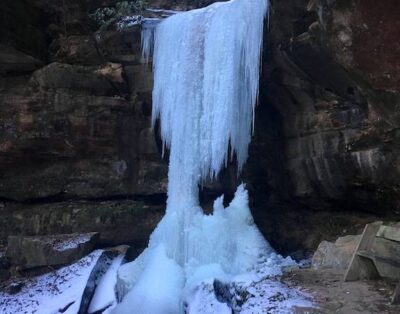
[(206, 68), (148, 30)]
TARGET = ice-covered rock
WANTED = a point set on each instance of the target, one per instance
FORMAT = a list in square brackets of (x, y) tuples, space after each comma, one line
[(87, 286), (60, 291), (36, 251), (105, 295), (100, 290)]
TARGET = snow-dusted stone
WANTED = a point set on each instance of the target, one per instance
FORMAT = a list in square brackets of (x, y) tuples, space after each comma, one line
[(37, 251), (85, 287), (60, 291), (105, 296), (100, 293)]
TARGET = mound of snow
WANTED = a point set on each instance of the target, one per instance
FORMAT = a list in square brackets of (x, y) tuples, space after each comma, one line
[(158, 289)]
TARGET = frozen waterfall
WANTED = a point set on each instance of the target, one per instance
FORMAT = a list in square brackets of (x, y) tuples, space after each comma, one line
[(206, 68)]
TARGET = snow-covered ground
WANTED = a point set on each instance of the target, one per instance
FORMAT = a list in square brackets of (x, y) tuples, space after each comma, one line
[(61, 292), (271, 296), (260, 291), (56, 292), (266, 296)]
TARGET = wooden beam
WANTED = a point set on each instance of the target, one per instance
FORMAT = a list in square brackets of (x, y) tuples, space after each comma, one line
[(396, 295), (357, 266), (390, 233)]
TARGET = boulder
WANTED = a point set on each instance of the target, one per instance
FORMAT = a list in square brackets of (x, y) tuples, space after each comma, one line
[(118, 221), (335, 255), (99, 293), (39, 251), (105, 80)]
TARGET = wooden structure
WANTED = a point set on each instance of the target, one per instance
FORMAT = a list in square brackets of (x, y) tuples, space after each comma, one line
[(377, 256)]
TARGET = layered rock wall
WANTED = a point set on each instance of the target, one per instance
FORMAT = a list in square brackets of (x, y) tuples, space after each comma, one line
[(331, 74), (335, 82), (75, 124), (75, 119)]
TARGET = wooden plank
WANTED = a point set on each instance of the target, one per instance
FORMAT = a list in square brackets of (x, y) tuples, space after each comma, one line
[(386, 248), (396, 295), (357, 266), (367, 254), (387, 268), (368, 236), (389, 232)]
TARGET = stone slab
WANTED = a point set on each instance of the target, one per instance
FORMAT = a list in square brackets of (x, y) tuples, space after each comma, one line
[(38, 251)]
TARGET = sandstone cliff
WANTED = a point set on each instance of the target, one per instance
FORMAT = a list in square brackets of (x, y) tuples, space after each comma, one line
[(75, 136)]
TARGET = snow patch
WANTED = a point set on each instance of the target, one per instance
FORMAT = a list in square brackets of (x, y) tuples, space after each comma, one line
[(50, 293), (158, 290), (72, 242)]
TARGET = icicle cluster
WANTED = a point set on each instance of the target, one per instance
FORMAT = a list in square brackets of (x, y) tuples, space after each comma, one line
[(206, 65), (147, 43), (206, 73)]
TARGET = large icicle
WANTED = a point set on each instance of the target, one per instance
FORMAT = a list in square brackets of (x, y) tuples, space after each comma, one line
[(206, 69), (207, 63), (147, 43)]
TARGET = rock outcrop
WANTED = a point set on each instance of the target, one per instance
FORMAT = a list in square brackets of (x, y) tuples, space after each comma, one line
[(331, 98), (335, 255), (55, 250), (334, 79), (117, 221)]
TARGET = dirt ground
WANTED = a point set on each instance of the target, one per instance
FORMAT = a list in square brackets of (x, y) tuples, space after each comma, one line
[(333, 295)]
